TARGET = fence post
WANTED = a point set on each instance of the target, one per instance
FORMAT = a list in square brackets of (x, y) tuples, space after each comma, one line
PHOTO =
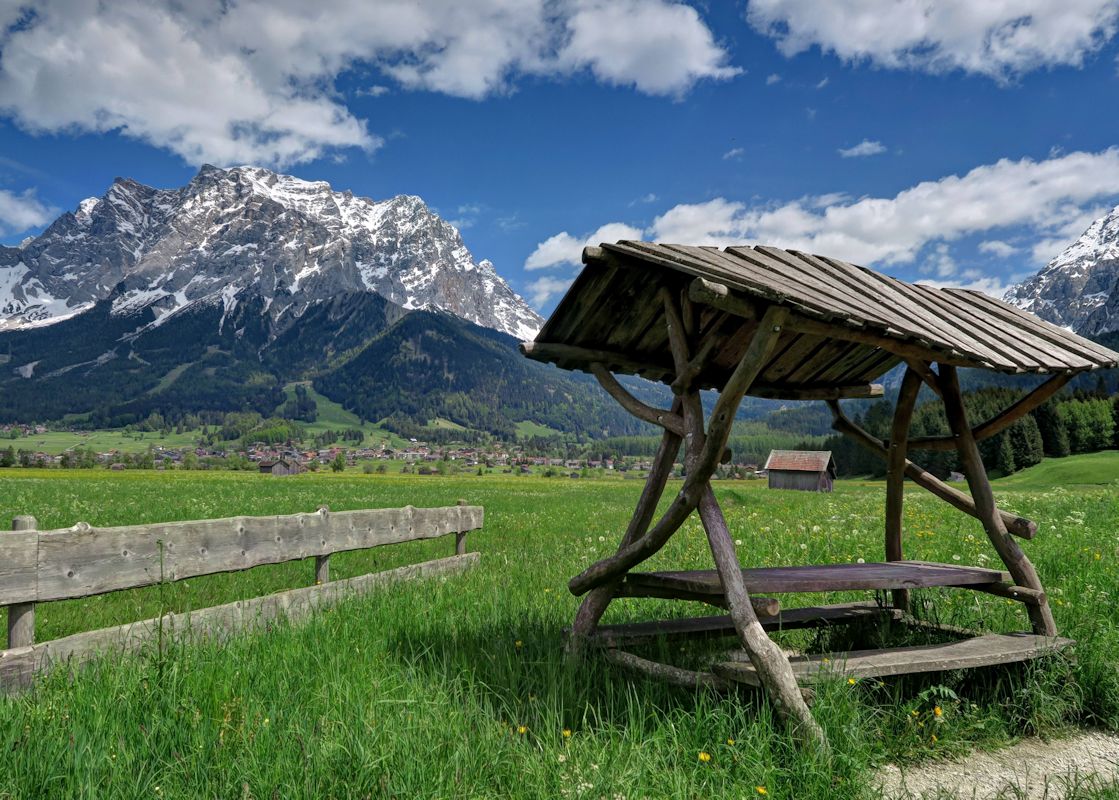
[(460, 536), (21, 616), (322, 563)]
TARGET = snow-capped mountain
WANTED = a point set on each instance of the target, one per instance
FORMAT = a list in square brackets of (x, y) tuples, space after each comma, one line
[(1078, 289), (234, 234)]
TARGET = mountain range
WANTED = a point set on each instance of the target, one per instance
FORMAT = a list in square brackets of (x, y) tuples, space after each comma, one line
[(215, 295)]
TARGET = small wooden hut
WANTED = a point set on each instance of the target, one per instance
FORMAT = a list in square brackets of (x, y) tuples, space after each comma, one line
[(785, 324), (801, 470), (281, 466)]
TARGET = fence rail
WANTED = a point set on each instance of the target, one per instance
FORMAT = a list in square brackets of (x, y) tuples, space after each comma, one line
[(38, 566)]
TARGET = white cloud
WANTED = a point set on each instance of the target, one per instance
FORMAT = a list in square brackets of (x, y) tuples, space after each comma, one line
[(734, 154), (253, 81), (999, 38), (990, 285), (1039, 199), (19, 212), (563, 248), (772, 79), (864, 148), (543, 289), (657, 46), (826, 80), (998, 248)]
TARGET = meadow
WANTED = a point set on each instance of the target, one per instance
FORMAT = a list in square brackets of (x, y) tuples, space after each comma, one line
[(458, 687)]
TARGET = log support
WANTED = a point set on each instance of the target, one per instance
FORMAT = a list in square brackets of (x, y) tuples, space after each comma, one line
[(895, 474)]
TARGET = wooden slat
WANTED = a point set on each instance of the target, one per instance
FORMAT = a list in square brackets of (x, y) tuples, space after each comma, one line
[(819, 578), (19, 554), (980, 651), (718, 626), (82, 561), (19, 666)]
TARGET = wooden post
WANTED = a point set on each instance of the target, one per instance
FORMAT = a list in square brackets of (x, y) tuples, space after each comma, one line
[(322, 563), (21, 616), (1019, 566), (895, 474), (460, 537)]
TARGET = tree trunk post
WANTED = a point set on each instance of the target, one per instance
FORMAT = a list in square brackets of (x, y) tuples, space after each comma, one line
[(460, 536), (1019, 566), (895, 475), (21, 616)]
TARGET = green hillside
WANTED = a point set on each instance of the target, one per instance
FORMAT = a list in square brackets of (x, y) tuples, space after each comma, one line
[(1089, 469)]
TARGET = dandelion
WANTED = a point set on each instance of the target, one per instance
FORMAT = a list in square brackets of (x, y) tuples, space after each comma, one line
[(937, 712), (522, 729), (561, 758), (730, 742), (914, 713), (851, 681), (955, 556), (933, 738), (761, 790), (739, 543), (518, 644), (704, 756), (567, 733), (860, 560), (266, 722)]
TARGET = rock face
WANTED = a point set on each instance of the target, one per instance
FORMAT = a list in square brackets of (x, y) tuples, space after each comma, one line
[(1078, 288), (231, 235)]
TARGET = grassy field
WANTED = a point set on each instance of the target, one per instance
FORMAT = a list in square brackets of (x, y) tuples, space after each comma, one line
[(101, 441), (458, 688)]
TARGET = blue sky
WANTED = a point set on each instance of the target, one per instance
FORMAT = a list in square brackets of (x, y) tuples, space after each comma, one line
[(954, 142)]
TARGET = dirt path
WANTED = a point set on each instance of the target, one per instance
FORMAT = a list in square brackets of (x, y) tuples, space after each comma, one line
[(1030, 769)]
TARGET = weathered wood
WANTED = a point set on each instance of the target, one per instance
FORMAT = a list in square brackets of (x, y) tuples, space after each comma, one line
[(322, 569), (21, 616), (656, 416), (980, 651), (895, 343), (818, 578), (1022, 594), (895, 473), (768, 660), (586, 356), (686, 501), (926, 373), (1015, 524), (1041, 617), (717, 295), (675, 676), (594, 604), (19, 559), (822, 392), (722, 625), (18, 666), (82, 561), (1002, 420), (460, 536)]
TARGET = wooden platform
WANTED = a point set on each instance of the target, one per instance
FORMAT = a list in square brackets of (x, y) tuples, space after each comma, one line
[(705, 584), (980, 651), (713, 627)]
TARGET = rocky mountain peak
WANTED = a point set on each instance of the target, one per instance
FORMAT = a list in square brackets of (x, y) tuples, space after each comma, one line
[(232, 234), (1078, 289)]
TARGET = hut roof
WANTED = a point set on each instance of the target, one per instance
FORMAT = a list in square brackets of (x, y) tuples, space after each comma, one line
[(852, 325), (799, 460)]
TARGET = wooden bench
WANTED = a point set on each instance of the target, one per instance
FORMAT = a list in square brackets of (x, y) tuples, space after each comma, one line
[(39, 566)]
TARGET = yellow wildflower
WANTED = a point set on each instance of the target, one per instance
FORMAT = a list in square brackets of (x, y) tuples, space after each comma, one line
[(518, 644), (567, 733), (522, 729), (704, 757), (850, 681), (938, 712), (730, 742), (761, 790)]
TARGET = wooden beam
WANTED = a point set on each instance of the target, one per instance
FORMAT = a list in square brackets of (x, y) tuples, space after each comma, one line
[(1022, 594), (586, 356), (926, 373), (822, 392), (675, 676), (656, 416), (895, 474), (901, 348), (757, 354), (1041, 617), (719, 296), (1017, 525), (1001, 421), (18, 666)]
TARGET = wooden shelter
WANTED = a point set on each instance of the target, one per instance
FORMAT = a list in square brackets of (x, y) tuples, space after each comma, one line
[(801, 470), (785, 324)]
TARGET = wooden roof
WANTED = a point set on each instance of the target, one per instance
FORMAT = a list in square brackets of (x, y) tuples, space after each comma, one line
[(799, 460), (850, 325)]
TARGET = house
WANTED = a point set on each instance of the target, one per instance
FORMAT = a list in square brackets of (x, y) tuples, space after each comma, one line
[(281, 466), (802, 470)]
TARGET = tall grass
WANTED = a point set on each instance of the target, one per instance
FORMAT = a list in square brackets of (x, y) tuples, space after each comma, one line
[(458, 688)]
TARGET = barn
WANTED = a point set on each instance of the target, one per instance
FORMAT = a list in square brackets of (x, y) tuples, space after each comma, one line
[(281, 466), (802, 470)]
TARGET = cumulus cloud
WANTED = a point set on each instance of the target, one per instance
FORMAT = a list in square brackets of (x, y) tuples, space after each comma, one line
[(1049, 200), (254, 80), (20, 212), (772, 79), (998, 39), (734, 154), (543, 289), (997, 247), (864, 148), (563, 248)]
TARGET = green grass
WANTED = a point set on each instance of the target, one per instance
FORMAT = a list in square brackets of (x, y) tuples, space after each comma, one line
[(102, 441), (331, 416), (528, 428), (1090, 469), (423, 690)]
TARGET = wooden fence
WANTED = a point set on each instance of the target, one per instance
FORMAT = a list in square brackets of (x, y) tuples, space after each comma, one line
[(38, 566)]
